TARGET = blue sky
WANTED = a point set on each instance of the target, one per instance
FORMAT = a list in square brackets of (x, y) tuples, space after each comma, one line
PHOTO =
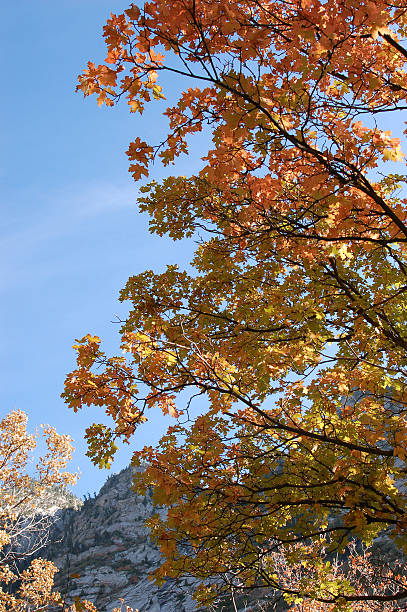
[(70, 233)]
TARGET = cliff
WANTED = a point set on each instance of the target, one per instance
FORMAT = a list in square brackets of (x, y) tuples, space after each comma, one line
[(106, 547)]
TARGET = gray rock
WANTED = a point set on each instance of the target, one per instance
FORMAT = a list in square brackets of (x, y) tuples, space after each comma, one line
[(106, 547)]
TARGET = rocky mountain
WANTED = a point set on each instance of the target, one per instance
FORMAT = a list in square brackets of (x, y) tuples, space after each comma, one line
[(106, 547), (51, 500)]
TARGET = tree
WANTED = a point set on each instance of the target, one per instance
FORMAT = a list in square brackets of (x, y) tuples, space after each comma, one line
[(23, 529), (292, 325)]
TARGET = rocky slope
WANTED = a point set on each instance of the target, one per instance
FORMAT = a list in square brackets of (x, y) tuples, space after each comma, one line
[(107, 549), (52, 500)]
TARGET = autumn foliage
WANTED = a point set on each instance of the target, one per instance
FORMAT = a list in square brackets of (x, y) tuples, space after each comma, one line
[(23, 530), (282, 357)]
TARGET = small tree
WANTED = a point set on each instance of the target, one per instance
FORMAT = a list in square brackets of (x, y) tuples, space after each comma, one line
[(23, 527)]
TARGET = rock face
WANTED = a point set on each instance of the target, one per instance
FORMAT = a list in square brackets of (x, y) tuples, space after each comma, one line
[(107, 549), (54, 499)]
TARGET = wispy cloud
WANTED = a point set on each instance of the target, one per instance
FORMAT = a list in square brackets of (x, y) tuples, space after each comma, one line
[(33, 224), (55, 213)]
